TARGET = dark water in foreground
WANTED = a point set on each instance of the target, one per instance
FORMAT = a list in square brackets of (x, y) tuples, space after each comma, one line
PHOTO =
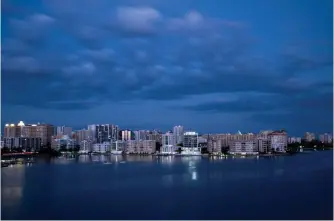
[(293, 187)]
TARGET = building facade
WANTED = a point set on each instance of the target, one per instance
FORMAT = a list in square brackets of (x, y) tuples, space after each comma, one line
[(101, 147), (190, 143), (168, 143), (43, 131), (62, 130), (81, 135), (141, 134), (106, 133), (224, 140), (126, 135), (140, 147), (86, 146), (118, 145), (155, 135), (248, 147), (278, 141), (178, 132), (25, 143), (64, 142)]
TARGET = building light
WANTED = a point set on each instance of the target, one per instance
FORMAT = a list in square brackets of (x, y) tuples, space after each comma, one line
[(7, 125)]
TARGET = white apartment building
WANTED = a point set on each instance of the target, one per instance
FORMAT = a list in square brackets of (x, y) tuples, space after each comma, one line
[(168, 143), (278, 141), (244, 147), (190, 144)]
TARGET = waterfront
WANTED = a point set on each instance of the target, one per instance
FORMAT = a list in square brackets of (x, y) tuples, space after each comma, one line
[(149, 187)]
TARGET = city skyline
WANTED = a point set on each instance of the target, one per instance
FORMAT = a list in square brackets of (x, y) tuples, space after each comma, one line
[(176, 130), (210, 66)]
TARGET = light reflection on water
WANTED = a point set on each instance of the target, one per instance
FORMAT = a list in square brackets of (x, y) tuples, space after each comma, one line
[(157, 181), (12, 182)]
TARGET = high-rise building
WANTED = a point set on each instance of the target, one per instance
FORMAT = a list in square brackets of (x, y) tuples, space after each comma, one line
[(81, 135), (104, 133), (278, 141), (141, 135), (12, 130), (85, 146), (62, 130), (155, 135), (190, 143), (126, 135), (168, 143), (178, 132), (43, 131), (92, 132)]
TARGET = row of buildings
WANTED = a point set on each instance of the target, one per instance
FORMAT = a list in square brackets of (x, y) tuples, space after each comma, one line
[(109, 138), (264, 142), (324, 138), (115, 147)]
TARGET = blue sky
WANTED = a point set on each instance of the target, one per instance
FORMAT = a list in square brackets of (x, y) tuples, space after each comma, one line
[(212, 66)]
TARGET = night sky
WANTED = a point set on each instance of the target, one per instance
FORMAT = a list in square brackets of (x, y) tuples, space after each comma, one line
[(212, 66)]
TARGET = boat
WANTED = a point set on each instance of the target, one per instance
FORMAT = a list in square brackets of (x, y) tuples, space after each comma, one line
[(116, 152)]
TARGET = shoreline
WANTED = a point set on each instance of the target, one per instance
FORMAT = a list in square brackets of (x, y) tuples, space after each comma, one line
[(31, 159), (74, 153)]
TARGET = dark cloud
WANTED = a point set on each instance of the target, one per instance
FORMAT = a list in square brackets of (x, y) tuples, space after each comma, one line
[(311, 109), (310, 98), (70, 56)]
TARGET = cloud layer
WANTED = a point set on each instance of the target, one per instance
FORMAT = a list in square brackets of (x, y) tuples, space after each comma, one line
[(71, 58)]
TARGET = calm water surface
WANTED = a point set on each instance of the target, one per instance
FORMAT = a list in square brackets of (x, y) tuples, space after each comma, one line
[(293, 187)]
